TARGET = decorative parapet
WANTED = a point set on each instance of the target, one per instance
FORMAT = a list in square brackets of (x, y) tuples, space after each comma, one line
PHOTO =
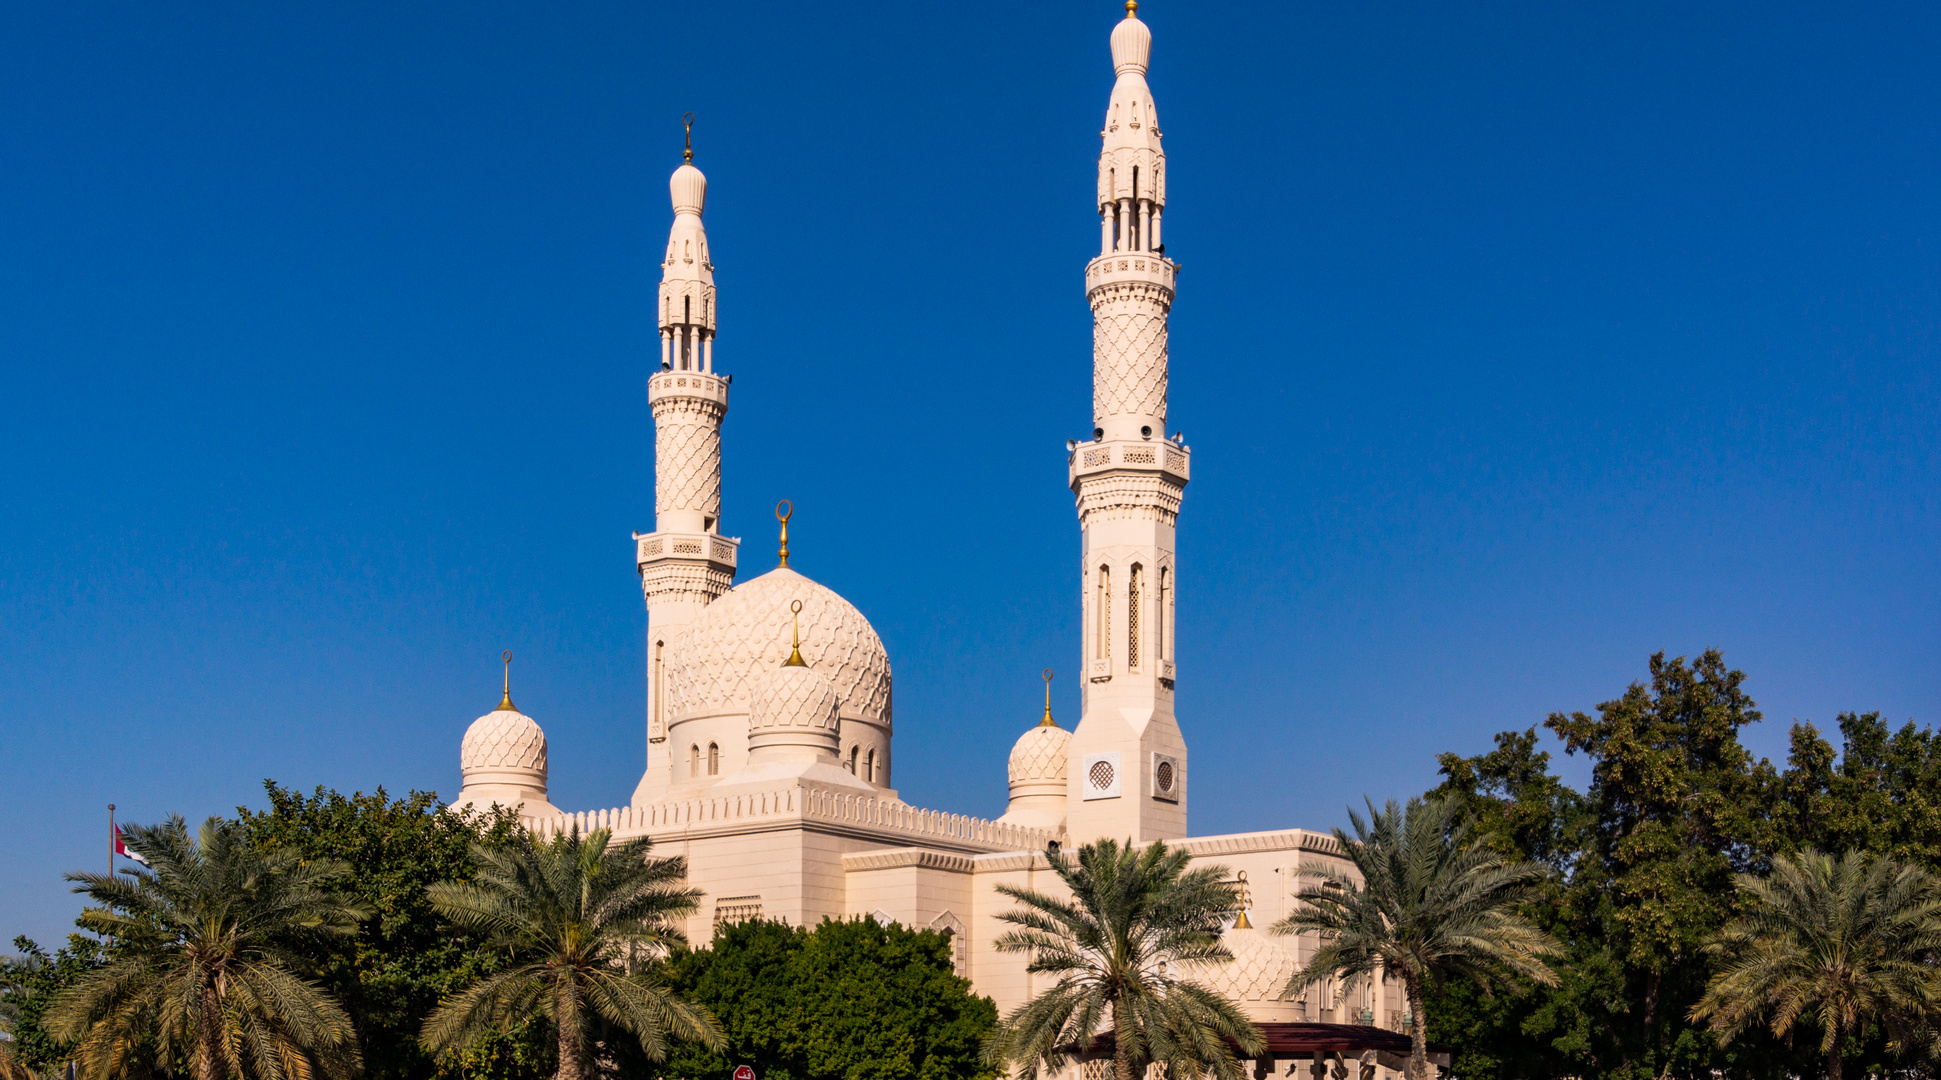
[(902, 857), (785, 808), (1276, 840)]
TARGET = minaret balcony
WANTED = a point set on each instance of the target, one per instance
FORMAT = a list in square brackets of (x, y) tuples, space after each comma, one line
[(1131, 268), (1162, 456), (688, 384), (654, 548)]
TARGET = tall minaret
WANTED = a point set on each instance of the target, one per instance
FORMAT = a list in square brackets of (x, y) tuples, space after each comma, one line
[(684, 563), (1127, 774)]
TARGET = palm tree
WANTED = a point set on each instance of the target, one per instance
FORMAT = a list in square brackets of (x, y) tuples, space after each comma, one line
[(1116, 949), (574, 915), (1421, 905), (209, 942), (1842, 942)]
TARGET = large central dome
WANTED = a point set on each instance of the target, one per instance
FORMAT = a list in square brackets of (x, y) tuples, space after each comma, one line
[(715, 665)]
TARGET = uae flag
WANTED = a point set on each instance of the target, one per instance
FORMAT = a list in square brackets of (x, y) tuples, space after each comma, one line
[(122, 849)]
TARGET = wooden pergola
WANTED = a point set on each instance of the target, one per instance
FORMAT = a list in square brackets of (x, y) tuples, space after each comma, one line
[(1324, 1051)]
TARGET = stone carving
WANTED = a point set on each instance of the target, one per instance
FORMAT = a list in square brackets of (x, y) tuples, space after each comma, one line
[(687, 454), (1128, 357), (667, 578), (1260, 969), (503, 739), (713, 666), (793, 697), (1040, 754), (1117, 496)]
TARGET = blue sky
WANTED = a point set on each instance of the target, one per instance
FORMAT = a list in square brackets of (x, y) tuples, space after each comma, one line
[(1514, 342)]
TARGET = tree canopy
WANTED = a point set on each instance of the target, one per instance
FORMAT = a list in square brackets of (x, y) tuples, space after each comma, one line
[(849, 1000), (1648, 860)]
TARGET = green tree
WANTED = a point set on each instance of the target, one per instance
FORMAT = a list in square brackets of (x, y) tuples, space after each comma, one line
[(1117, 948), (1678, 807), (32, 979), (1881, 793), (576, 916), (1427, 906), (1646, 859), (1841, 943), (209, 960), (849, 1000), (403, 960)]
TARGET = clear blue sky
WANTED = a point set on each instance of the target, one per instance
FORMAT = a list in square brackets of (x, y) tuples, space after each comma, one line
[(1514, 343)]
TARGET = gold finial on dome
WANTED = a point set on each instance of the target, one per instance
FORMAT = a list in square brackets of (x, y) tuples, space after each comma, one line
[(1132, 11), (784, 510), (1242, 922), (795, 610), (687, 127), (1047, 721), (505, 703)]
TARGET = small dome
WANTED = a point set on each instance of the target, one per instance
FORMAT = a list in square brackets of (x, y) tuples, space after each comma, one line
[(715, 665), (504, 740), (1040, 756), (690, 188), (1131, 45), (1261, 966), (793, 697)]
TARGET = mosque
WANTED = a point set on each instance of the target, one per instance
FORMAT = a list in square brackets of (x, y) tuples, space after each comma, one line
[(769, 721)]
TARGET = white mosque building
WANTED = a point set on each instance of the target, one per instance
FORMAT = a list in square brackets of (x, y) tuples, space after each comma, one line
[(769, 719)]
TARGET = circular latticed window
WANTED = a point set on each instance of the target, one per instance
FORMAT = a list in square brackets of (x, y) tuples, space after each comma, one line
[(1164, 776), (1101, 774)]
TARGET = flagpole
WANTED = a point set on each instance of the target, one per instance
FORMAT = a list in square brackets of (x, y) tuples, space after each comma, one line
[(111, 839)]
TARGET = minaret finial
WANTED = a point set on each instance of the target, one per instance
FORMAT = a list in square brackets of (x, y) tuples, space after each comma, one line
[(795, 657), (1047, 721), (1241, 922), (687, 127), (1132, 12), (505, 703), (784, 510)]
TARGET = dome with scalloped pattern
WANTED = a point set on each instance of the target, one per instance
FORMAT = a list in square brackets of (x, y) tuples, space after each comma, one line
[(793, 697), (504, 741), (1261, 966), (1039, 756), (715, 666)]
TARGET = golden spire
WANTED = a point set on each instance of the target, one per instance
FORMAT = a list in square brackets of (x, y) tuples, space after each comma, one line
[(1132, 12), (1241, 923), (795, 609), (687, 125), (784, 510), (1047, 721), (505, 703)]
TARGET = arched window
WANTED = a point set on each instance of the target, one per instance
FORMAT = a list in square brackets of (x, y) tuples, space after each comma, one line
[(714, 759), (1160, 634), (869, 773), (1134, 585), (1104, 605), (694, 760), (853, 751), (656, 722)]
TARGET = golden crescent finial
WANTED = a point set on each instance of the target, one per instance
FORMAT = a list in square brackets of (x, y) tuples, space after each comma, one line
[(795, 657), (687, 128), (784, 510), (1132, 9), (505, 703), (1047, 721)]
